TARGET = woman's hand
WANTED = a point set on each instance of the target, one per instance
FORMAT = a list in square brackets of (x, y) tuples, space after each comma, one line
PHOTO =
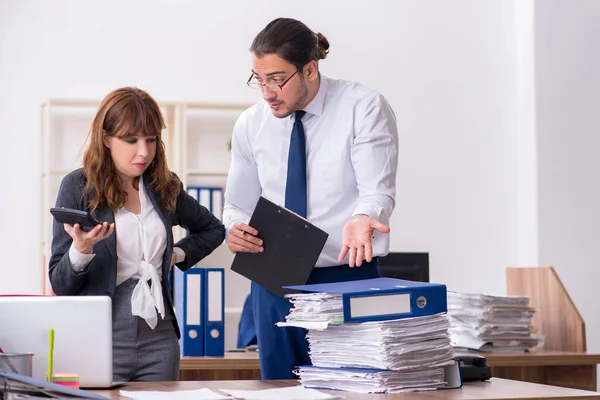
[(173, 260), (85, 241)]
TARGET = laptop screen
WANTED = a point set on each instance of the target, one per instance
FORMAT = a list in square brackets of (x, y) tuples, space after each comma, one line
[(82, 334)]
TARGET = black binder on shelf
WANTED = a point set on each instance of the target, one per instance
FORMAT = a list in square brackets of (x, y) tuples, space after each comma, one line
[(291, 245)]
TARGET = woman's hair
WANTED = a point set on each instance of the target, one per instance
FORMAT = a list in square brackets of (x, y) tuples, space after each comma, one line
[(121, 112), (292, 41)]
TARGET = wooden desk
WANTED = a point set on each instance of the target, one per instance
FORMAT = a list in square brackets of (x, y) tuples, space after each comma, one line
[(558, 368), (497, 389), (233, 366)]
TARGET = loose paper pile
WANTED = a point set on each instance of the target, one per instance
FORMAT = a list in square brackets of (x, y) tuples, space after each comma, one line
[(500, 324), (370, 357)]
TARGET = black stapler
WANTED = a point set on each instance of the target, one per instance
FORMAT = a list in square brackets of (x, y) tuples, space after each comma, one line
[(473, 367)]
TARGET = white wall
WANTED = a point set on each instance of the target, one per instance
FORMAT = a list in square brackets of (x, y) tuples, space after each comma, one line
[(527, 173), (449, 70), (568, 120), (456, 110)]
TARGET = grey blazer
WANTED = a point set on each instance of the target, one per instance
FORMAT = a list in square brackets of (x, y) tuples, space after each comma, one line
[(99, 277)]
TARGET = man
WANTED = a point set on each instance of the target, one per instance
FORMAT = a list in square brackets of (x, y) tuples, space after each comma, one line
[(328, 150)]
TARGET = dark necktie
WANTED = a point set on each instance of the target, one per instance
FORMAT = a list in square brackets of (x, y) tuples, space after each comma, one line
[(295, 187)]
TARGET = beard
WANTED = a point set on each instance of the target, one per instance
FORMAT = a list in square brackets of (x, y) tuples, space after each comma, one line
[(301, 96)]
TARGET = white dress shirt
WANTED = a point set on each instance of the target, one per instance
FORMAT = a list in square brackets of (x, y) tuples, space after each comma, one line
[(351, 153), (140, 255)]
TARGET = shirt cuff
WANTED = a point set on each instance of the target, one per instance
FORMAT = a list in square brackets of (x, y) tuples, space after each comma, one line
[(180, 254), (79, 260), (367, 211)]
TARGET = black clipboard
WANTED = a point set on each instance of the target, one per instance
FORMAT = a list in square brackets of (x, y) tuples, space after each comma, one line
[(291, 244)]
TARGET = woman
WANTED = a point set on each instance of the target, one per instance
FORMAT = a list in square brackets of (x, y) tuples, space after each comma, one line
[(125, 183)]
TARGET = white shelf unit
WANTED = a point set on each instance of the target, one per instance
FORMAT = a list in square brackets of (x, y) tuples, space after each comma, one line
[(207, 130), (60, 155), (196, 137)]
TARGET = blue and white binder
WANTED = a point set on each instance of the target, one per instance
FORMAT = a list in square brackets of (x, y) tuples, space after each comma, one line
[(190, 309), (381, 299), (209, 197), (214, 312)]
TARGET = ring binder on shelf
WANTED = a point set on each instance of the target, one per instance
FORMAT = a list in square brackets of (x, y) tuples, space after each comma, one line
[(214, 313), (189, 309)]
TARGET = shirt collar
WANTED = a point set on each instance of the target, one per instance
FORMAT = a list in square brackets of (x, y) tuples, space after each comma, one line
[(317, 104)]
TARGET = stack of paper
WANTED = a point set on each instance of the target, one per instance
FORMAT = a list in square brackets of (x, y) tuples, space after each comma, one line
[(315, 310), (401, 344), (486, 323), (362, 380), (370, 357)]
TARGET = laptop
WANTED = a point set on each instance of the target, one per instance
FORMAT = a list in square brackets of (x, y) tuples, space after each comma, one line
[(82, 335)]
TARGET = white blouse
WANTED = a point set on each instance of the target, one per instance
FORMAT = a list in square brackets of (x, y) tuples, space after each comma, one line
[(139, 256)]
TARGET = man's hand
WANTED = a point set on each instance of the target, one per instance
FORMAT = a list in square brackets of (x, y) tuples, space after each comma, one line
[(357, 239), (242, 238), (85, 241)]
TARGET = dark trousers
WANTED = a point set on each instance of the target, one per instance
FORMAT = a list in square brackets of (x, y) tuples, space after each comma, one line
[(282, 349)]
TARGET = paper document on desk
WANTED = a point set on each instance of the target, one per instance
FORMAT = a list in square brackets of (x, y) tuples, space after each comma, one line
[(480, 299), (487, 323), (288, 393), (199, 394)]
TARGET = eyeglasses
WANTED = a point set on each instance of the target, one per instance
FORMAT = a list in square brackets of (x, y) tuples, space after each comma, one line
[(273, 87)]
